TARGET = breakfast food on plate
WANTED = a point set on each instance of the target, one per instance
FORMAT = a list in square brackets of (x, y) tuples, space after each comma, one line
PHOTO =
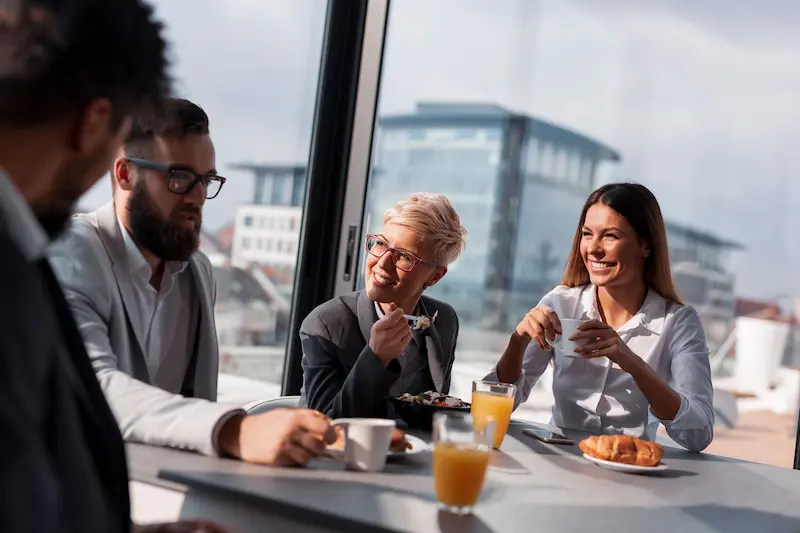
[(423, 322), (433, 398), (399, 443), (623, 449)]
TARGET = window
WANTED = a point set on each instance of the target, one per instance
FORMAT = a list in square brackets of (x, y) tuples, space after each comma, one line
[(254, 117), (697, 108)]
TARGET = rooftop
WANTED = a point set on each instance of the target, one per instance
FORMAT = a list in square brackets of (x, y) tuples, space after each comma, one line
[(486, 114)]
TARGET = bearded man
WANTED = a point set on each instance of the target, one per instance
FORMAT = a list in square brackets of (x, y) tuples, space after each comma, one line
[(143, 296)]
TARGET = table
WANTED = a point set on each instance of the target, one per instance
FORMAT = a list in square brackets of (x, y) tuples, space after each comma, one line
[(531, 486)]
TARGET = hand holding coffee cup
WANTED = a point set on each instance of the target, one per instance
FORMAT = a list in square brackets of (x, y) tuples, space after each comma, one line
[(366, 442), (540, 324), (569, 341)]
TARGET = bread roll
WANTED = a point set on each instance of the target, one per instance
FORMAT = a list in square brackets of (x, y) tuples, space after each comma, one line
[(623, 449)]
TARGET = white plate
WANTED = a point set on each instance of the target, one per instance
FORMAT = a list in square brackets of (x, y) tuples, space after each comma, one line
[(417, 446), (622, 467)]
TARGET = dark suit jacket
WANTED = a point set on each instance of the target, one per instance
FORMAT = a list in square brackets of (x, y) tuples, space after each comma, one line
[(341, 375), (61, 453)]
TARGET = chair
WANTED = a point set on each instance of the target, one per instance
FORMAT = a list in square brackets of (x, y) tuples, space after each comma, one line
[(262, 406)]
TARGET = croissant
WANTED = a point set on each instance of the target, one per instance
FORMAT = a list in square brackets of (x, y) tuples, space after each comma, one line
[(623, 449)]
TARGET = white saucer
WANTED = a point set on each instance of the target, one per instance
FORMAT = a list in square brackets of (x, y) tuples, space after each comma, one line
[(622, 467), (417, 446)]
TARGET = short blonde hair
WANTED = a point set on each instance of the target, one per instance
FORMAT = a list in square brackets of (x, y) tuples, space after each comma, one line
[(434, 219)]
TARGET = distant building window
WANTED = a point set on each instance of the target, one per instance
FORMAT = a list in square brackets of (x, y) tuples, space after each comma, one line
[(280, 246), (269, 245), (246, 243), (421, 157), (248, 221), (547, 160), (561, 171), (292, 224)]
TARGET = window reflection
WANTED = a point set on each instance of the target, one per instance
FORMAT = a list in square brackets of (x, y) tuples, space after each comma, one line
[(702, 109)]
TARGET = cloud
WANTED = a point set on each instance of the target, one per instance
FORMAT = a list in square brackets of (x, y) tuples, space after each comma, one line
[(699, 97)]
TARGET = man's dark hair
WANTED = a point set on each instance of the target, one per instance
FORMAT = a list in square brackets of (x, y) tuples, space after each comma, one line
[(182, 118), (177, 119), (58, 55)]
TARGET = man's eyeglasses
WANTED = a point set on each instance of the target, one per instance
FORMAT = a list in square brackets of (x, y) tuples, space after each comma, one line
[(403, 260), (182, 179)]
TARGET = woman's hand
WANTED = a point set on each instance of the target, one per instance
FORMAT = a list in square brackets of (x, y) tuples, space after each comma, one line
[(541, 323), (603, 341)]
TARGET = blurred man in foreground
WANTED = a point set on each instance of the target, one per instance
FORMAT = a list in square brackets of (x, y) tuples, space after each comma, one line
[(71, 75)]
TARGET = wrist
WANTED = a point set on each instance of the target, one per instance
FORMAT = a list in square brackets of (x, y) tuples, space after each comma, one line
[(632, 364), (519, 340), (229, 437)]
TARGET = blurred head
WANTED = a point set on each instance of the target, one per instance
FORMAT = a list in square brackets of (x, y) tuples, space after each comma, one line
[(71, 75), (621, 241), (162, 179), (420, 237)]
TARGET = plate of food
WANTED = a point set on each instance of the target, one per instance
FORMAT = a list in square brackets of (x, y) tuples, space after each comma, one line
[(417, 410), (624, 453), (402, 445)]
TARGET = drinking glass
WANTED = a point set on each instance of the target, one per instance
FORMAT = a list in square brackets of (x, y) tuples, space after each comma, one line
[(491, 400), (460, 459)]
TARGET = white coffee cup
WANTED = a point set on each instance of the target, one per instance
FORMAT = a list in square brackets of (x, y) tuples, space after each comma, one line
[(366, 442), (569, 326)]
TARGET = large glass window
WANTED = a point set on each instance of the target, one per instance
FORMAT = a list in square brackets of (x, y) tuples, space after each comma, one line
[(253, 67), (697, 101)]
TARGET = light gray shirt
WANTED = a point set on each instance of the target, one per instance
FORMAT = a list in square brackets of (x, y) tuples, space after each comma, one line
[(164, 316)]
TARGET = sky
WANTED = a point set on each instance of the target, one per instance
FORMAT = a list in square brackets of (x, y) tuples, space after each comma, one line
[(700, 98)]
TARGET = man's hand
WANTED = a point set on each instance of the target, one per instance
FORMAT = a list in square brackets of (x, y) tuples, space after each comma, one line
[(390, 335), (185, 526), (281, 437)]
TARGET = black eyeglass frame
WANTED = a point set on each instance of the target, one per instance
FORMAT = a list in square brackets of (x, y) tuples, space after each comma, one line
[(205, 179)]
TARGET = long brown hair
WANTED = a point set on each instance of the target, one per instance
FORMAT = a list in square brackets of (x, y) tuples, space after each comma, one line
[(640, 208)]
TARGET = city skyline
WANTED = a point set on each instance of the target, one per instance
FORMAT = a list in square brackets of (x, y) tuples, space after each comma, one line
[(689, 96)]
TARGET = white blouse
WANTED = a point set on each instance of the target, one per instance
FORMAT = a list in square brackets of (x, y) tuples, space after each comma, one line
[(596, 395)]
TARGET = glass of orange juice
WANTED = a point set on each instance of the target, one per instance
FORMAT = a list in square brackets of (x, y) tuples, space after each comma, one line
[(460, 459), (494, 401)]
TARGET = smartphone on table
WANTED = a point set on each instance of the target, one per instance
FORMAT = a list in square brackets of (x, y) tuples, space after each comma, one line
[(545, 435)]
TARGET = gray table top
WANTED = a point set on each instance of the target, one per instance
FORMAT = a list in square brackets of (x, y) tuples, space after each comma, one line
[(531, 486)]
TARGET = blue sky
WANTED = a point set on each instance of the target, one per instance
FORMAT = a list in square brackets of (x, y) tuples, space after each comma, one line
[(699, 97)]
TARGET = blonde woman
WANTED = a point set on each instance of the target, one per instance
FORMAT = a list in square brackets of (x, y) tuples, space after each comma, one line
[(645, 360), (358, 349)]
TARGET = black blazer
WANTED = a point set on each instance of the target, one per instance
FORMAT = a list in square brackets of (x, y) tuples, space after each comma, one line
[(61, 453), (341, 375)]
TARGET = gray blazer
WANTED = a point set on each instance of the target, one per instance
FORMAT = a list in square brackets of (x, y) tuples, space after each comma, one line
[(341, 375), (89, 262)]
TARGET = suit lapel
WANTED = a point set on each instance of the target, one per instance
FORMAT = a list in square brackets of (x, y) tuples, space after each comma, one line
[(365, 310), (109, 231), (433, 345), (79, 372), (203, 358)]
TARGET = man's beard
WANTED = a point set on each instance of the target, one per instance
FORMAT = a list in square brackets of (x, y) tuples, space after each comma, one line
[(169, 239)]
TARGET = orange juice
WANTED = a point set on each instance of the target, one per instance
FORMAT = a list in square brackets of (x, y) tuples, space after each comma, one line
[(458, 472), (497, 406)]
